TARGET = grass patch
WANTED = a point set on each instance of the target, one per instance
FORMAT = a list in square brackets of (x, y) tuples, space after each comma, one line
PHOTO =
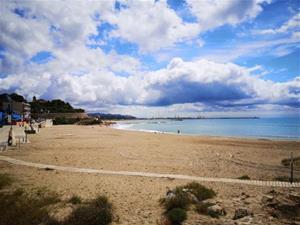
[(286, 179), (286, 162), (75, 200), (201, 192), (5, 180), (244, 177), (19, 208), (176, 216), (97, 212), (179, 200)]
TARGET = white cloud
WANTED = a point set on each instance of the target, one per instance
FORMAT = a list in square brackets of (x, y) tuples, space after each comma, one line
[(89, 77), (214, 13), (277, 47), (209, 83), (292, 24), (54, 26), (217, 83), (152, 25)]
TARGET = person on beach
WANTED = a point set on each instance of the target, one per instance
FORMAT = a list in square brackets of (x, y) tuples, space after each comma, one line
[(9, 141)]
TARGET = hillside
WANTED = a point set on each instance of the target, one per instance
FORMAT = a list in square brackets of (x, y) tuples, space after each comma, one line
[(53, 106)]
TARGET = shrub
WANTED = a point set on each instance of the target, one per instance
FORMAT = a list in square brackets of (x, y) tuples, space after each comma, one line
[(97, 212), (244, 177), (90, 121), (200, 191), (64, 120), (75, 200), (179, 200), (44, 197), (5, 180), (19, 208), (176, 216)]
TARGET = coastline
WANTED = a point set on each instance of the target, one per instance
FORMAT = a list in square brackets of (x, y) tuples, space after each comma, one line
[(128, 127)]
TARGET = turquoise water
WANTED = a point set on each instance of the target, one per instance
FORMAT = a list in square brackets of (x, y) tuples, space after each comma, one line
[(269, 128)]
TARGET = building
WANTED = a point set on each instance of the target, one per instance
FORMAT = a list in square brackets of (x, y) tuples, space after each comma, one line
[(5, 103), (19, 110)]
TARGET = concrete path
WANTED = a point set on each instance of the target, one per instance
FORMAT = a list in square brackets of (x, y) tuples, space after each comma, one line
[(4, 133), (154, 175)]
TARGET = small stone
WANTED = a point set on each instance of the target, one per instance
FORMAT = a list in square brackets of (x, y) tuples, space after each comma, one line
[(240, 213), (266, 199), (216, 211), (170, 194), (192, 197)]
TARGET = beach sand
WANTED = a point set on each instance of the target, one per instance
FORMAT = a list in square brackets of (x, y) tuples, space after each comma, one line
[(135, 199)]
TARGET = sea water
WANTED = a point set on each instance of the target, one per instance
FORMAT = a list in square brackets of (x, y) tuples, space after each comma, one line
[(265, 128)]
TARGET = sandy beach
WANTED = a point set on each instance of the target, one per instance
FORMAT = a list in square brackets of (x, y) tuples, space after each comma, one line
[(135, 199)]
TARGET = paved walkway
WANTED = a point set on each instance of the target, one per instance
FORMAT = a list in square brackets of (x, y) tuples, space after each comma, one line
[(4, 133), (154, 175)]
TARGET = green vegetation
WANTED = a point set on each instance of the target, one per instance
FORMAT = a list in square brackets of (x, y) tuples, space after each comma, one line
[(54, 106), (201, 192), (97, 212), (64, 120), (179, 200), (244, 177), (5, 180), (17, 98), (90, 121), (176, 215), (18, 208), (75, 200)]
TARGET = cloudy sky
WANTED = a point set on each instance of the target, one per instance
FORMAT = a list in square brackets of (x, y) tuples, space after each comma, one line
[(155, 58)]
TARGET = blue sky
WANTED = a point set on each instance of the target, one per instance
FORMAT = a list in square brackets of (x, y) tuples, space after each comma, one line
[(150, 58)]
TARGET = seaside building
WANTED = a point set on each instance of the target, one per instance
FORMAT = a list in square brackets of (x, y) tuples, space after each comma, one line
[(14, 110)]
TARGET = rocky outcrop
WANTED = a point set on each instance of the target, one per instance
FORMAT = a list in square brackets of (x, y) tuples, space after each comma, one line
[(282, 205)]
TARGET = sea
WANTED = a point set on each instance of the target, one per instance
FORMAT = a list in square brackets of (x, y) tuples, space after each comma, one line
[(256, 128)]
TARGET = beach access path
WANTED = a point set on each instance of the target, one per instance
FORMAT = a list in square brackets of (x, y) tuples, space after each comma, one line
[(153, 175)]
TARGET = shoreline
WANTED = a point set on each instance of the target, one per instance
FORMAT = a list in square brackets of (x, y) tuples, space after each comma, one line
[(118, 126)]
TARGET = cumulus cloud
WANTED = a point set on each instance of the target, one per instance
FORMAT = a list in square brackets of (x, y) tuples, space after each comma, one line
[(206, 82), (151, 24), (216, 83), (98, 79)]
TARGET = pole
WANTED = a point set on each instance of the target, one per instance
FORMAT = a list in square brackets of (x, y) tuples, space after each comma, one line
[(292, 168)]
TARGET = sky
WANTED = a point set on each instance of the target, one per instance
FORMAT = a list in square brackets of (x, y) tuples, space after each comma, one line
[(155, 58)]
